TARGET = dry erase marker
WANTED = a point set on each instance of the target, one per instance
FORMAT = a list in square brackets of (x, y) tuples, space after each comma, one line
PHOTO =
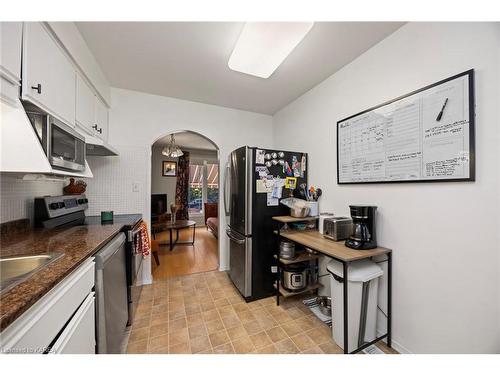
[(440, 114)]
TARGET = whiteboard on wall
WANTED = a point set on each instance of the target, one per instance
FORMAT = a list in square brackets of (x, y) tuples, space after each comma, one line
[(424, 136)]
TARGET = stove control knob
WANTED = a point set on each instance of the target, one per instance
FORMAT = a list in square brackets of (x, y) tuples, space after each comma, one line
[(54, 206), (60, 205)]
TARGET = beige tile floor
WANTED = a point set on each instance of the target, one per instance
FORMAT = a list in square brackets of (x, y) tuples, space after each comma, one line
[(204, 313)]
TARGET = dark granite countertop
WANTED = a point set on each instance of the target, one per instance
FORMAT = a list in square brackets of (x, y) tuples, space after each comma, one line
[(75, 243)]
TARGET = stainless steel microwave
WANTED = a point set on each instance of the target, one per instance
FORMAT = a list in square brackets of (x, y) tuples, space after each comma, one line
[(64, 147)]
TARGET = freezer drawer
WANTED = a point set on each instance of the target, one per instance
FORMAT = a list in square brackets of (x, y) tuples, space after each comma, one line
[(240, 262), (79, 335)]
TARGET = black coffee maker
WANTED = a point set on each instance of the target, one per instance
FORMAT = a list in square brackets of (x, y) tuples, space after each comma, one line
[(363, 235)]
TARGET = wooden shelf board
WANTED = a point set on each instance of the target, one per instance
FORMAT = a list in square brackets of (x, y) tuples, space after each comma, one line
[(291, 219), (315, 240), (301, 258), (285, 293)]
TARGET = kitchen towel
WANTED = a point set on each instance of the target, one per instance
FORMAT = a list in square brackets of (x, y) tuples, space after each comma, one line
[(142, 242)]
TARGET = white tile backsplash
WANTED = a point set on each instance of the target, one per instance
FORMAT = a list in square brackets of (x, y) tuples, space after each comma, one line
[(118, 183), (17, 196)]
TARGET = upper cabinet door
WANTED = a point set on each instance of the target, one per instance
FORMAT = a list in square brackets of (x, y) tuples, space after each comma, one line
[(11, 37), (49, 78), (101, 117), (85, 107), (11, 34)]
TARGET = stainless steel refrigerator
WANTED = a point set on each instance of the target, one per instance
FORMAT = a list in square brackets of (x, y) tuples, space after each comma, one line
[(250, 225)]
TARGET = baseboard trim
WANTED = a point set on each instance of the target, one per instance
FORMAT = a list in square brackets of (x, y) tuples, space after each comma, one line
[(395, 345)]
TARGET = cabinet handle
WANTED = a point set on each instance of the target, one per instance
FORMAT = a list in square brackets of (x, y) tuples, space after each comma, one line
[(94, 127), (38, 88), (100, 130)]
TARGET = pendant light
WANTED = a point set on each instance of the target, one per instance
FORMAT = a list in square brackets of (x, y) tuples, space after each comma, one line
[(171, 149)]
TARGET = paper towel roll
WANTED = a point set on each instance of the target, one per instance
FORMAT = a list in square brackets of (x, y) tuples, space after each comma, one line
[(322, 217)]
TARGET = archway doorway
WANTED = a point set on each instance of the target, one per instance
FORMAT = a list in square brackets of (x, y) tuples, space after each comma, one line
[(184, 205)]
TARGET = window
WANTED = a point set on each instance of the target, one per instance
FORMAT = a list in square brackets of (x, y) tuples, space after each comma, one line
[(195, 198), (212, 183), (203, 186)]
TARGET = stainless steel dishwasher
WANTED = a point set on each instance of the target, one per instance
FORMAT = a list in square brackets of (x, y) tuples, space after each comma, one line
[(111, 296)]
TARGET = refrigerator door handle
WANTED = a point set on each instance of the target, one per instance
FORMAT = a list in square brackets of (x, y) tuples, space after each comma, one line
[(226, 191), (233, 238)]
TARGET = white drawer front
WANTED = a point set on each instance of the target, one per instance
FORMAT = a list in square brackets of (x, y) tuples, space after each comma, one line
[(33, 331), (79, 335)]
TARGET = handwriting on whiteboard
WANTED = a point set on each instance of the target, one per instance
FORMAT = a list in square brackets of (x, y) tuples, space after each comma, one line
[(421, 136)]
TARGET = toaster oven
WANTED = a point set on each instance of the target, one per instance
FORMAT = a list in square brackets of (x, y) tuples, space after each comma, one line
[(337, 228)]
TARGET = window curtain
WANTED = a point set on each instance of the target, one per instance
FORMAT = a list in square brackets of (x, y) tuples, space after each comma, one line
[(182, 186)]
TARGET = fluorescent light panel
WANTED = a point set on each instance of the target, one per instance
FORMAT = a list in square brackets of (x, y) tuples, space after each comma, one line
[(263, 46)]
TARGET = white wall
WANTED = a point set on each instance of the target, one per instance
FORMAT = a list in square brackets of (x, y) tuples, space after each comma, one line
[(137, 120), (446, 259), (159, 183)]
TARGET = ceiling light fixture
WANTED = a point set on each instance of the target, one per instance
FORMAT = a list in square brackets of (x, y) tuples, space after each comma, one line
[(263, 46), (171, 149)]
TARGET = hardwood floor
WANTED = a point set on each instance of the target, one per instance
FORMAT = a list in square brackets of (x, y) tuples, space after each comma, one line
[(186, 259)]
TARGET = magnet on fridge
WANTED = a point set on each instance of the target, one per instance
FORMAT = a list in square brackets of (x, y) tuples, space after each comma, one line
[(281, 154), (267, 156), (274, 155), (290, 182), (268, 164), (259, 156), (288, 170)]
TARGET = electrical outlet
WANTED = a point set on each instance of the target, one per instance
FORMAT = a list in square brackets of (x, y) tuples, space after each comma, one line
[(135, 187)]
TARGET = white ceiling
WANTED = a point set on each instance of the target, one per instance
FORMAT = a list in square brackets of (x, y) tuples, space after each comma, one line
[(187, 140), (188, 60)]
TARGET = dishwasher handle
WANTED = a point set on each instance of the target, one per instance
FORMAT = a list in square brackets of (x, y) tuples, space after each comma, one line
[(109, 250)]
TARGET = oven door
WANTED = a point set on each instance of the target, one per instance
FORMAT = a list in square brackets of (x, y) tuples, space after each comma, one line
[(134, 264), (65, 147)]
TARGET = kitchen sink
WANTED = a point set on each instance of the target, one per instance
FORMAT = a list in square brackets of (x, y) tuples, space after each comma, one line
[(16, 269)]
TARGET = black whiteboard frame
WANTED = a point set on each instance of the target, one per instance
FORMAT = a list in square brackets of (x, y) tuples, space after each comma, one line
[(472, 138)]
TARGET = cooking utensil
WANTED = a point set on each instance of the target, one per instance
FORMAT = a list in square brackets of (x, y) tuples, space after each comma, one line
[(299, 211), (319, 192), (294, 277), (287, 250)]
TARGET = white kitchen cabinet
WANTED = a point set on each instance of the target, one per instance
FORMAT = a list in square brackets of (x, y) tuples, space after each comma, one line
[(85, 105), (49, 77), (78, 336), (11, 34), (57, 314), (101, 119)]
